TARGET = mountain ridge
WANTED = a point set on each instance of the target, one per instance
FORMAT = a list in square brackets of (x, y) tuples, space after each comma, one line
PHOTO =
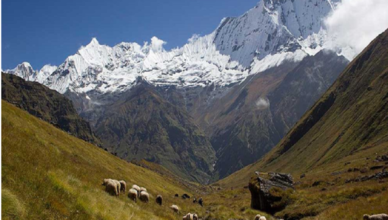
[(238, 47), (348, 124), (47, 104), (224, 81), (142, 125)]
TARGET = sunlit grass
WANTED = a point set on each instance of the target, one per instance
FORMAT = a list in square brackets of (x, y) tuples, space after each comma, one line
[(57, 176), (48, 174), (11, 207)]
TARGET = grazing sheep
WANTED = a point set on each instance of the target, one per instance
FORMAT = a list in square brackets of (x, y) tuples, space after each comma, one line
[(132, 194), (123, 186), (144, 196), (142, 189), (118, 185), (112, 187), (159, 199), (190, 216), (185, 196), (194, 200), (176, 195), (200, 201), (136, 187), (175, 208), (259, 217), (376, 217)]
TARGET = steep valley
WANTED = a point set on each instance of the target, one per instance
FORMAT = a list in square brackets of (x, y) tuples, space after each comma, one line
[(248, 118), (270, 114), (212, 106), (336, 148)]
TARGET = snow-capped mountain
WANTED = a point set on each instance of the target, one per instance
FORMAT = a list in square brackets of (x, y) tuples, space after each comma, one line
[(267, 35), (25, 71), (169, 107), (272, 27)]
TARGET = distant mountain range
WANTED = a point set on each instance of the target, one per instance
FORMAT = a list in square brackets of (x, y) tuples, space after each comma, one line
[(213, 106)]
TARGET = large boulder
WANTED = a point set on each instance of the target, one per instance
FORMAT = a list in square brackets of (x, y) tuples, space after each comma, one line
[(270, 194)]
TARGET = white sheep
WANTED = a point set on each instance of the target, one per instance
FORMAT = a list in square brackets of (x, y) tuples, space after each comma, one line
[(376, 217), (118, 185), (123, 186), (144, 196), (175, 208), (259, 217), (111, 186), (142, 189), (136, 187), (132, 194), (190, 216)]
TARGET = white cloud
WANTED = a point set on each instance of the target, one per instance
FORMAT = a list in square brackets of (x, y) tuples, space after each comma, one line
[(355, 23), (262, 103)]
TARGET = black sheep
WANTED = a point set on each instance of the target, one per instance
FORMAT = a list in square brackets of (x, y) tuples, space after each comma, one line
[(159, 199)]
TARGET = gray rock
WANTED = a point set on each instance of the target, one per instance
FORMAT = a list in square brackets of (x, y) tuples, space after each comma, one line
[(270, 195)]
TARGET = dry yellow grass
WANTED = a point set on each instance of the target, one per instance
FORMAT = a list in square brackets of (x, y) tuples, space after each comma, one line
[(48, 174)]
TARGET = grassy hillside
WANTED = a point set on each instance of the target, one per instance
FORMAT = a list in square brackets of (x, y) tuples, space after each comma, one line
[(49, 174), (336, 143), (347, 124)]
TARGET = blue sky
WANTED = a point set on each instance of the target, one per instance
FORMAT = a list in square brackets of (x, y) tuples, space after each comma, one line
[(47, 31)]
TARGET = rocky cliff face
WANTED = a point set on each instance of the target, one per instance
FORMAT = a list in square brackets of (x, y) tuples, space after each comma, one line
[(46, 104), (142, 125), (266, 107), (273, 27)]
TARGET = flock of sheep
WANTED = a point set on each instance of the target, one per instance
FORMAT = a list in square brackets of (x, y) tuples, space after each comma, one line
[(115, 187)]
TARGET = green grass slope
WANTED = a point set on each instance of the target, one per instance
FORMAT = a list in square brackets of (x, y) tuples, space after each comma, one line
[(347, 124), (48, 174), (336, 144)]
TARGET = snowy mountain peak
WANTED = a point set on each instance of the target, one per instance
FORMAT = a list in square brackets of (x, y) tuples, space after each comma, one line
[(263, 37), (23, 70), (272, 27), (94, 41), (25, 65), (157, 44)]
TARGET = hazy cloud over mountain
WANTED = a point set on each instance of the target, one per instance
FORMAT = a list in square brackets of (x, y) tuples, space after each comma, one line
[(355, 23)]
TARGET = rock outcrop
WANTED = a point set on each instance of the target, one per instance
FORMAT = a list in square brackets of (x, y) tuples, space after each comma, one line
[(270, 195)]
